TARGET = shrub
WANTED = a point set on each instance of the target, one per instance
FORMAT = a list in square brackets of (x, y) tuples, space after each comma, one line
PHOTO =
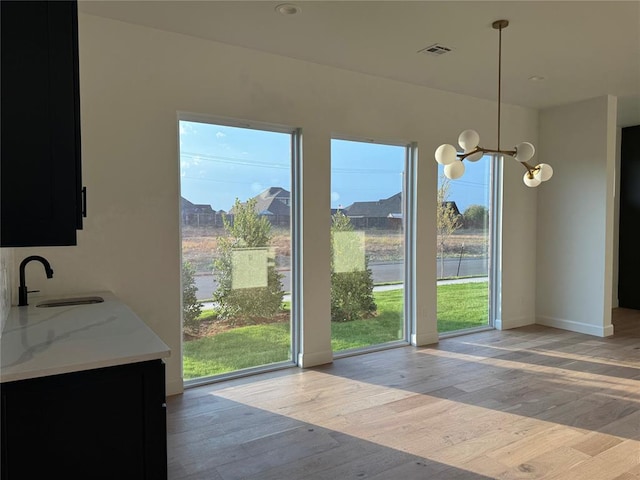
[(191, 309), (248, 240), (351, 277)]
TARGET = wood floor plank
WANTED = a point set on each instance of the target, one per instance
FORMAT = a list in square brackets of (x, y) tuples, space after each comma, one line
[(528, 403), (608, 465)]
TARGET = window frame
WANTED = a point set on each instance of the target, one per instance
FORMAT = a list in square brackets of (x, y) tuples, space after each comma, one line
[(295, 239), (409, 221)]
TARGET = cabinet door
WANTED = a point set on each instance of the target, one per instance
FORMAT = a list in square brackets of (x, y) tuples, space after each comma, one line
[(102, 424), (40, 124), (629, 252)]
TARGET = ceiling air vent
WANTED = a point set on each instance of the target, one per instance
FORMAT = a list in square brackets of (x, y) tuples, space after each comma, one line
[(435, 49)]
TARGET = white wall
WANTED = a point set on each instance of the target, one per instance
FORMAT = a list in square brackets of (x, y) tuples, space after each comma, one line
[(575, 217), (134, 80)]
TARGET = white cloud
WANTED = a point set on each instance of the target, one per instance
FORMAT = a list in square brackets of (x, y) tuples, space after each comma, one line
[(186, 128), (197, 160), (220, 134), (257, 187), (335, 196)]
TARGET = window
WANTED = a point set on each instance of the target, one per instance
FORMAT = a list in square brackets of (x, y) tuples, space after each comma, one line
[(465, 220), (236, 222), (368, 244)]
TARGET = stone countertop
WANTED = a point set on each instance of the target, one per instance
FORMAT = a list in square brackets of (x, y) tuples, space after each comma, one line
[(38, 342)]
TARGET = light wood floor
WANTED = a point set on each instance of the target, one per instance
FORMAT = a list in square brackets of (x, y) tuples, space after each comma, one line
[(533, 402)]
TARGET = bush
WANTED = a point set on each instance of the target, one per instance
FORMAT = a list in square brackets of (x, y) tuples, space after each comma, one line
[(476, 216), (352, 296), (248, 237), (351, 277), (191, 309)]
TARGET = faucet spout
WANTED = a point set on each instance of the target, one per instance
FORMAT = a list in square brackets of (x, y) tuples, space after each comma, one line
[(22, 289)]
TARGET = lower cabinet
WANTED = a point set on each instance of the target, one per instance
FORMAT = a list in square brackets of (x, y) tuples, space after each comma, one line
[(106, 423)]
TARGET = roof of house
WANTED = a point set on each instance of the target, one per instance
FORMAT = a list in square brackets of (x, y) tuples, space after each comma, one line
[(381, 208), (189, 207), (273, 201), (387, 207), (453, 206)]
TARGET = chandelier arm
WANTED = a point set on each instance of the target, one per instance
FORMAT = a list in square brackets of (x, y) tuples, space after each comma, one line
[(530, 169), (509, 153)]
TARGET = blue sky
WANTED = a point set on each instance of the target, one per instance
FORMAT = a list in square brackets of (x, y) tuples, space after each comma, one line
[(219, 163)]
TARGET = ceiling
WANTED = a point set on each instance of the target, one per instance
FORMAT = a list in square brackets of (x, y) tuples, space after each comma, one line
[(582, 49)]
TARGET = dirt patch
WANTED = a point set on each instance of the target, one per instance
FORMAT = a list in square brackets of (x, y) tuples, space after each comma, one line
[(210, 328), (199, 245)]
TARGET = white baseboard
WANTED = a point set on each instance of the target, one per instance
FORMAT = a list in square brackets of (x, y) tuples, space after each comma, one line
[(175, 388), (306, 360), (424, 339), (578, 327), (501, 324)]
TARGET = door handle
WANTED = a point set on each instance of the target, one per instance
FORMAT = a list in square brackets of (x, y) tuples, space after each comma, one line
[(84, 202)]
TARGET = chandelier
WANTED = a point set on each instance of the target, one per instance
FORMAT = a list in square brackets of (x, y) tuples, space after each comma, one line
[(468, 140)]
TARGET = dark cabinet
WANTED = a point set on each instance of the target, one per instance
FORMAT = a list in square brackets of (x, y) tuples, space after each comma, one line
[(40, 178), (107, 423), (629, 230)]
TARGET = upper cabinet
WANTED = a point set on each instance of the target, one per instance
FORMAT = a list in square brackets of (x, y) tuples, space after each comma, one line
[(41, 191)]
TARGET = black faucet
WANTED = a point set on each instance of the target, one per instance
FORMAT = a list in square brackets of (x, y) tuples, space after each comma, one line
[(22, 290)]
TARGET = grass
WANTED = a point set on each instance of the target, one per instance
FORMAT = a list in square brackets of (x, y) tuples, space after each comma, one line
[(460, 306), (385, 327), (242, 347)]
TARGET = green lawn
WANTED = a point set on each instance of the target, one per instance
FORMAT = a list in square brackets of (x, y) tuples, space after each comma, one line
[(459, 306), (462, 305)]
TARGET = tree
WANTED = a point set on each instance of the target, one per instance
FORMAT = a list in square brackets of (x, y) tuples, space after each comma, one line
[(447, 219), (191, 308), (248, 283), (476, 216), (351, 278)]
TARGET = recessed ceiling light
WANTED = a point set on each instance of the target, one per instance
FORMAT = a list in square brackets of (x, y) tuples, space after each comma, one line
[(537, 78), (288, 9)]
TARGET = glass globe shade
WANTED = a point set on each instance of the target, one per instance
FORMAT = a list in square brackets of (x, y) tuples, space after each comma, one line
[(454, 170), (446, 154), (544, 172), (474, 157), (532, 181), (468, 140), (524, 152)]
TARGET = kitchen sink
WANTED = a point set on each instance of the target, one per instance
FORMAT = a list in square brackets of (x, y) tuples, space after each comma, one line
[(65, 302)]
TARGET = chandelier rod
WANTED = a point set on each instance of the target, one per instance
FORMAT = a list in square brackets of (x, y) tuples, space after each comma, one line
[(499, 81), (499, 25)]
